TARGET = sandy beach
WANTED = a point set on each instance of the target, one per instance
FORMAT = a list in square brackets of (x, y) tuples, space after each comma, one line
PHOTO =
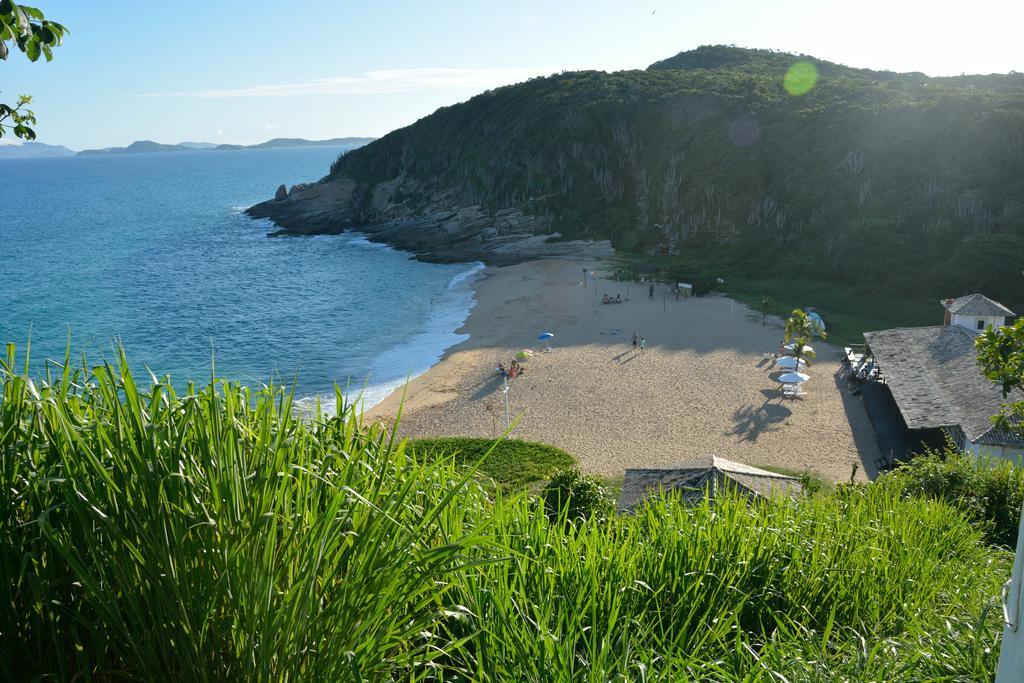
[(701, 386)]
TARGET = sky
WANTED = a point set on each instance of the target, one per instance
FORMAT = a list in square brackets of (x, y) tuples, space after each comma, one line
[(246, 71)]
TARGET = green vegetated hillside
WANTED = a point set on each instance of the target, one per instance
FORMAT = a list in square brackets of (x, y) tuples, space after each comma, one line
[(212, 535), (512, 463), (897, 183)]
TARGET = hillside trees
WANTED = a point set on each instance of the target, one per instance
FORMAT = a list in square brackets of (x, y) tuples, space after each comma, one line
[(707, 156)]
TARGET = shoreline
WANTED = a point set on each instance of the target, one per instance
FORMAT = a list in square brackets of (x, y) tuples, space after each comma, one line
[(462, 310), (428, 345), (700, 387)]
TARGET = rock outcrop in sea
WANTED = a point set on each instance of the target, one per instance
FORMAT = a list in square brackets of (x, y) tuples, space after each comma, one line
[(440, 229)]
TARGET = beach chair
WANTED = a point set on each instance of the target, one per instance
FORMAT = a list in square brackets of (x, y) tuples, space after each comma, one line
[(867, 371), (793, 391)]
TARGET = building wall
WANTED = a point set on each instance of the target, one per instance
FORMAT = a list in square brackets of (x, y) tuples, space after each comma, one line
[(971, 321), (1014, 455)]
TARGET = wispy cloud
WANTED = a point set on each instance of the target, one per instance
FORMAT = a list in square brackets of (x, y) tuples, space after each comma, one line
[(376, 82)]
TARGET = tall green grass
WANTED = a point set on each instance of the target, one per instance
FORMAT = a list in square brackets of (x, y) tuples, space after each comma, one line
[(860, 585), (212, 536), (988, 491), (146, 535)]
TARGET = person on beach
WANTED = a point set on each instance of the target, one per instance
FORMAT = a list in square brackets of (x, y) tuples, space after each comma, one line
[(650, 292), (502, 371), (643, 343), (635, 340)]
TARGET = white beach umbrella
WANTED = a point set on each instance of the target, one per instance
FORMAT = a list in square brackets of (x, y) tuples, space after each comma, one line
[(817, 324), (792, 378), (789, 363), (807, 347)]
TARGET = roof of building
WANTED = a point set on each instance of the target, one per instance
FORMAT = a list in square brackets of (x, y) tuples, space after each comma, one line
[(935, 380), (976, 304), (691, 479)]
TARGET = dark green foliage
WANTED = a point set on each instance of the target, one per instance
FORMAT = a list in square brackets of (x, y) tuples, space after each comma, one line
[(810, 484), (849, 310), (513, 463), (706, 156), (577, 497), (28, 30), (990, 493)]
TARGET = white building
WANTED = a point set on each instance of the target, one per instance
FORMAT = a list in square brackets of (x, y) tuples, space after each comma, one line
[(975, 312)]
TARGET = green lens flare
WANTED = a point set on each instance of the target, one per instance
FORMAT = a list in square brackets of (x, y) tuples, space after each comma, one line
[(800, 78)]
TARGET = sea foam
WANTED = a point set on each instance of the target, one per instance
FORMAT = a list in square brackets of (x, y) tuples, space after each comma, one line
[(413, 356)]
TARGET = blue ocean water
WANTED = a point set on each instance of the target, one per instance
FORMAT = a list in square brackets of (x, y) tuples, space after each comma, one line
[(153, 250)]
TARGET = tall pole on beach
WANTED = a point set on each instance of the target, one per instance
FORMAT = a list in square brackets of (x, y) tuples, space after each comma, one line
[(584, 278), (508, 418)]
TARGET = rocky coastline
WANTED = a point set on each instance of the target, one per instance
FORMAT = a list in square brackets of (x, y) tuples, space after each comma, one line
[(436, 228)]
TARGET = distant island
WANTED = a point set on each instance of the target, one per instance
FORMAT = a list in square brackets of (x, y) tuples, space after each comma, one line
[(38, 150), (33, 150), (149, 147)]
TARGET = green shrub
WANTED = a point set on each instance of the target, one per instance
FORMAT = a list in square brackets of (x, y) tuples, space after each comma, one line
[(989, 492), (513, 463), (857, 586), (576, 496), (146, 535)]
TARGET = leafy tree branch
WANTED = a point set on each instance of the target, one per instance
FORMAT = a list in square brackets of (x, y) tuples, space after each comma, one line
[(1001, 357), (31, 33)]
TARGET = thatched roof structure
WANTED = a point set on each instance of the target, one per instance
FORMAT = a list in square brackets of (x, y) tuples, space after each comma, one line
[(692, 479), (935, 380), (976, 304)]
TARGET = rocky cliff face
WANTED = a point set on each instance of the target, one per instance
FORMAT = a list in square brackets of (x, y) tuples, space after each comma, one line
[(890, 182), (436, 227)]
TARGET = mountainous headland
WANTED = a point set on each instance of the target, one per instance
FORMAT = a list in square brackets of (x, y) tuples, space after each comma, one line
[(709, 156), (33, 150), (148, 146)]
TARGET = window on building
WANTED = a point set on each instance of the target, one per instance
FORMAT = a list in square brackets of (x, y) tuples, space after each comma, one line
[(981, 324)]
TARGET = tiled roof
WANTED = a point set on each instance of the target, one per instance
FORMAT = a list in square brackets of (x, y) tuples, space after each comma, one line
[(977, 304), (935, 380), (690, 480)]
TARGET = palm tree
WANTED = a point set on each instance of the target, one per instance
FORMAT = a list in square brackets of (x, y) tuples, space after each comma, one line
[(800, 330), (798, 326)]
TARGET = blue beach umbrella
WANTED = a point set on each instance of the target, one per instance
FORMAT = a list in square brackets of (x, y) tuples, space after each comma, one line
[(545, 335)]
